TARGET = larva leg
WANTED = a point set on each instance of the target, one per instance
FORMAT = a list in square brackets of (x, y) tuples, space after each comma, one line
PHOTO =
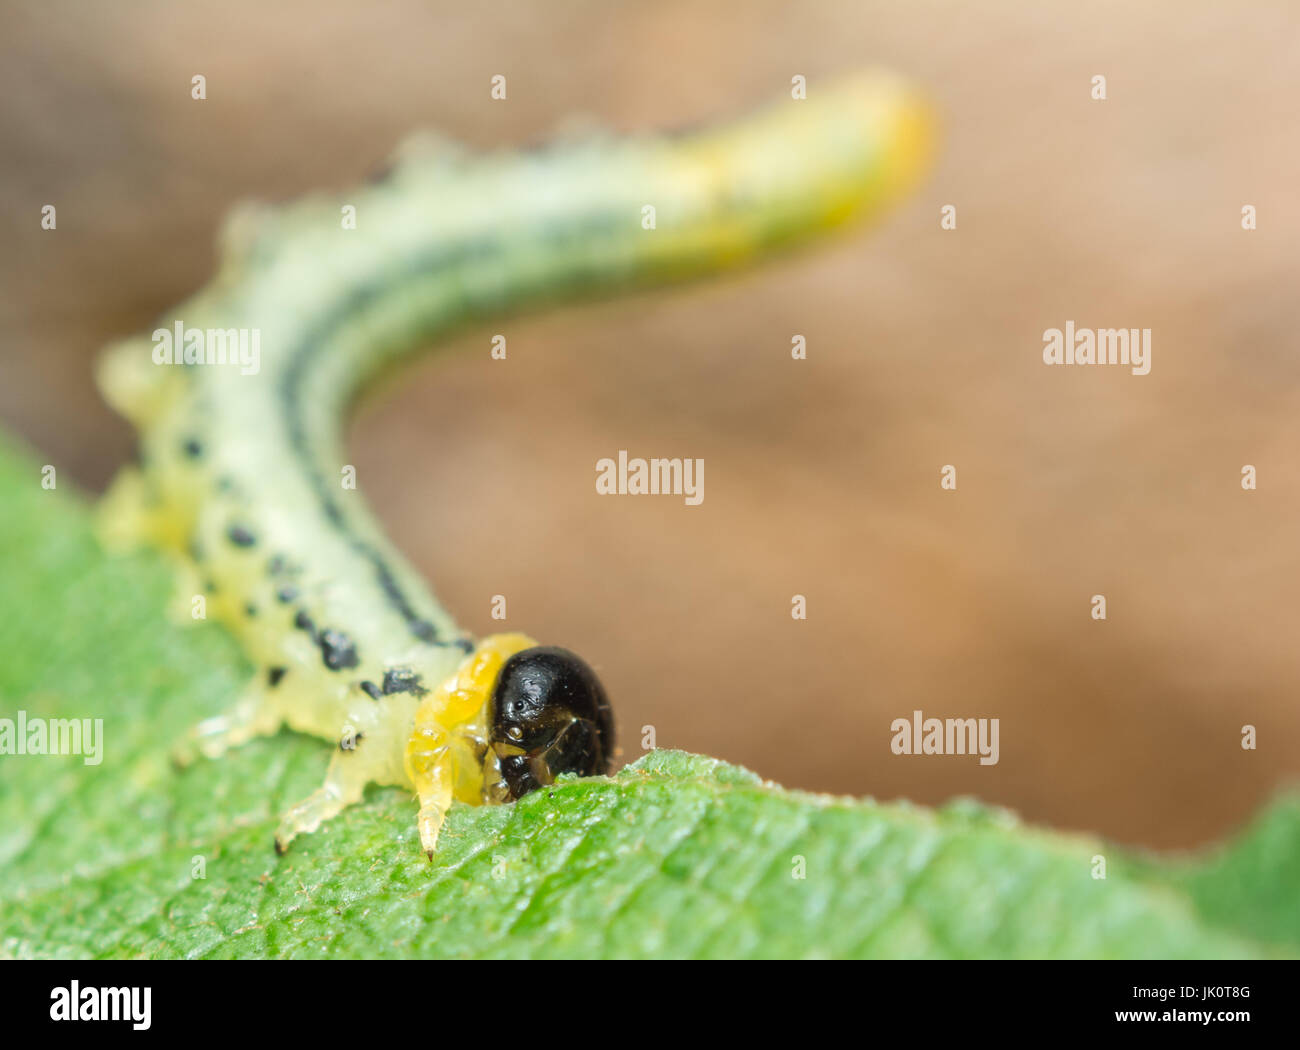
[(123, 521), (251, 716), (130, 516), (435, 800), (428, 764), (345, 783)]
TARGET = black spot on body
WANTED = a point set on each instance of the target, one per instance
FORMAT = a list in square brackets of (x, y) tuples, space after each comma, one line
[(286, 594), (240, 536), (338, 650), (403, 680), (193, 448), (250, 610), (274, 675), (304, 623), (371, 690)]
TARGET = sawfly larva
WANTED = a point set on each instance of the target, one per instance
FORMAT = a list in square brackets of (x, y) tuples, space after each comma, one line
[(241, 461)]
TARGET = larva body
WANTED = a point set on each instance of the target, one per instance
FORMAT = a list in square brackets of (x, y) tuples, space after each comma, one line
[(242, 472)]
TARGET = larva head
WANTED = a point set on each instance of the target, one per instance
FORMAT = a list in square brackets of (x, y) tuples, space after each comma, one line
[(549, 716)]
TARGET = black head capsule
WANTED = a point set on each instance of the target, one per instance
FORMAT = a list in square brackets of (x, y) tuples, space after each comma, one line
[(549, 716)]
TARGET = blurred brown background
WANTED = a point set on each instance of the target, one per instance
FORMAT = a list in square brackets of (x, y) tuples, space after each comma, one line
[(822, 477)]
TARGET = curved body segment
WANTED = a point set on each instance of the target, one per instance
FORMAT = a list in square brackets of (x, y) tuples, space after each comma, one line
[(241, 392)]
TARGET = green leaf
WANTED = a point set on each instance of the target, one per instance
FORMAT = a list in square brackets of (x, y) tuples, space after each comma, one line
[(678, 855)]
